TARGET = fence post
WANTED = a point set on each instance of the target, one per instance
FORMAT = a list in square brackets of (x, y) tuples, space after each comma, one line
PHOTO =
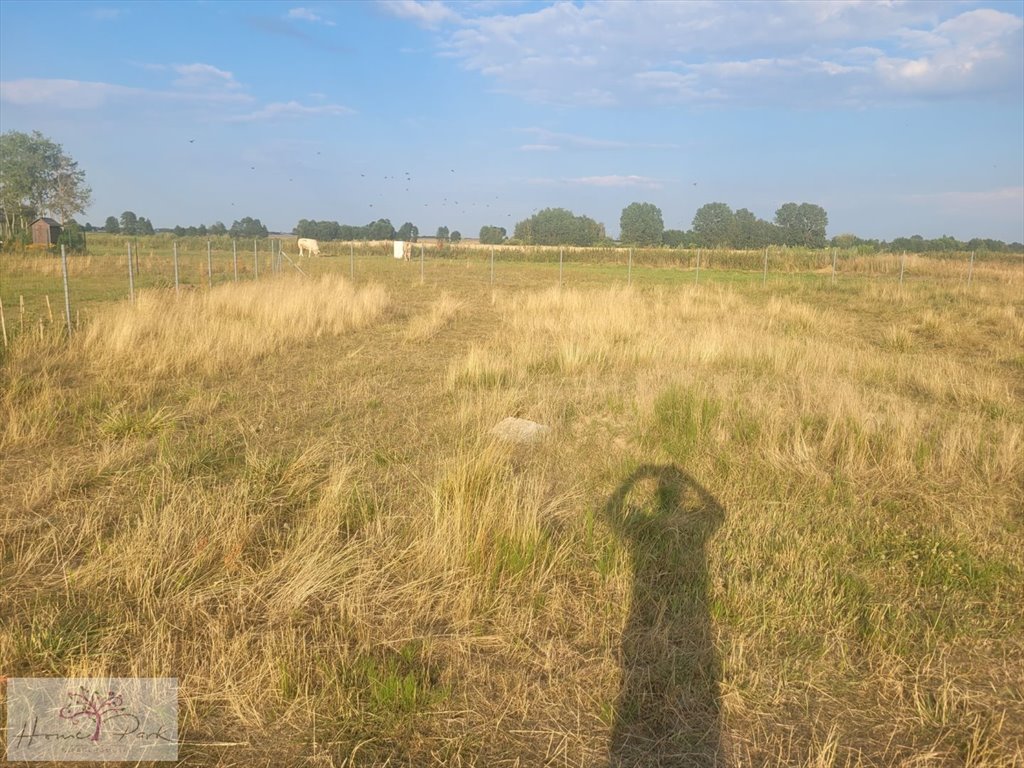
[(255, 261), (421, 265), (696, 276), (629, 269), (492, 265), (67, 292), (352, 261), (131, 275), (3, 322), (903, 259), (970, 270), (764, 279), (833, 266), (209, 264), (234, 256), (561, 253), (176, 291)]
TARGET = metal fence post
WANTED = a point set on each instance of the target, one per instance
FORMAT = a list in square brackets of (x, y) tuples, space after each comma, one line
[(67, 292), (131, 276)]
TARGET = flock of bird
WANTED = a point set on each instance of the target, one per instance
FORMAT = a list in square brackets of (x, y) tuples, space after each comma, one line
[(406, 179)]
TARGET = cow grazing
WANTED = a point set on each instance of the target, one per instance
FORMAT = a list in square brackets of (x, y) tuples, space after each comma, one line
[(308, 247)]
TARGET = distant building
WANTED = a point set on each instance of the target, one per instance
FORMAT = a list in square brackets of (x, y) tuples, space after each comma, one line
[(45, 231)]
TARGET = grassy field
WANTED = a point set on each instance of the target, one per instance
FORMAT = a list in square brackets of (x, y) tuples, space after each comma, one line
[(772, 524)]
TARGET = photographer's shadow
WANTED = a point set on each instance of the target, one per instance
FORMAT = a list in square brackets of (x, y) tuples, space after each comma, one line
[(667, 712)]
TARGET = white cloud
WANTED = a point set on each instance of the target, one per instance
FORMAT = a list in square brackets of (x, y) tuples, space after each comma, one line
[(792, 53), (105, 13), (288, 109), (617, 181), (538, 148), (557, 140), (82, 94), (203, 76), (612, 181), (426, 13), (1011, 198), (305, 14), (69, 94)]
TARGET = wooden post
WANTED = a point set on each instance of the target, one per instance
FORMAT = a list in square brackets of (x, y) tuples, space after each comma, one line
[(903, 259), (970, 270), (234, 256), (629, 269), (131, 275), (492, 265), (421, 265), (696, 276), (67, 292), (764, 279), (209, 264), (352, 261), (3, 322), (255, 261), (833, 266), (176, 289), (560, 256)]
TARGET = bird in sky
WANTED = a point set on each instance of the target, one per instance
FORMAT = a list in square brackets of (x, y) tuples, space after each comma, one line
[(191, 141)]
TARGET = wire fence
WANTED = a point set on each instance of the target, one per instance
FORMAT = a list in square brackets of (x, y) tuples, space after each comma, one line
[(118, 268)]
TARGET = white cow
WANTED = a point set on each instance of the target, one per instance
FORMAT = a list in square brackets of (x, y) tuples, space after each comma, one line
[(309, 245)]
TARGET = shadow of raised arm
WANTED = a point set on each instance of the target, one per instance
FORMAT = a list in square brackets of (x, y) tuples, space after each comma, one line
[(667, 711)]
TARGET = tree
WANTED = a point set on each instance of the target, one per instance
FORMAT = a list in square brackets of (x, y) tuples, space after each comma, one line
[(247, 227), (456, 236), (112, 226), (218, 228), (641, 224), (492, 235), (408, 232), (713, 225), (674, 238), (802, 224), (442, 234), (70, 193), (36, 177), (129, 223), (381, 229), (558, 226)]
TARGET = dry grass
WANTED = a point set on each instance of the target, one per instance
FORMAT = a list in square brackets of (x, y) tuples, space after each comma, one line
[(766, 529)]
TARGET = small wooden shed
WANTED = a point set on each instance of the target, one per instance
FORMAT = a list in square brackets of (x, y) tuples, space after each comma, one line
[(45, 231)]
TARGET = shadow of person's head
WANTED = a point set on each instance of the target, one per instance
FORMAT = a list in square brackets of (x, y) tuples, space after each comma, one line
[(667, 712)]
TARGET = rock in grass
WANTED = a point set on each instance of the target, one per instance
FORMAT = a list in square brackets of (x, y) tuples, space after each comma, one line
[(520, 430)]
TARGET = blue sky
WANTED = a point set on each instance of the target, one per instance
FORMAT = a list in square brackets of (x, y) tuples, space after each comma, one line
[(898, 118)]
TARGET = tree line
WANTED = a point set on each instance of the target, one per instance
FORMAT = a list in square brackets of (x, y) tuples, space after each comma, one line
[(38, 178), (381, 229)]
